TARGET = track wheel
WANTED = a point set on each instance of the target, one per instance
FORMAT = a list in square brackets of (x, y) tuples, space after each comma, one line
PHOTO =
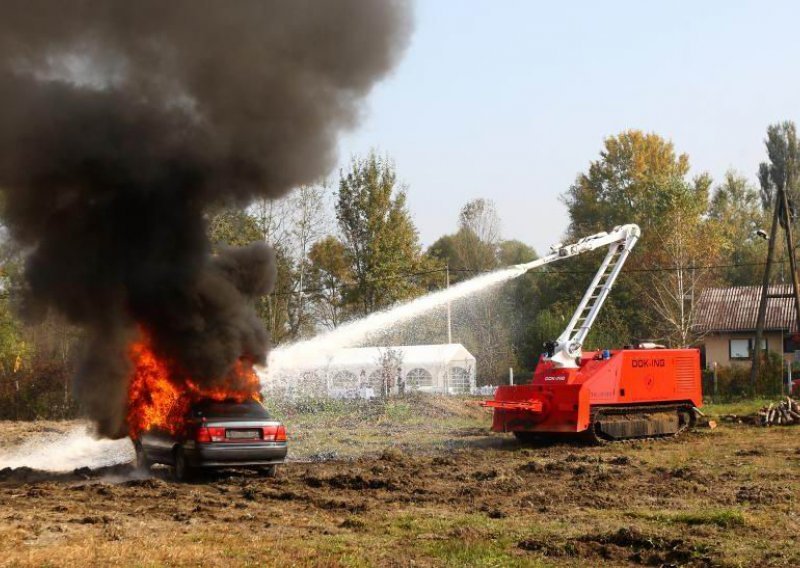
[(526, 437)]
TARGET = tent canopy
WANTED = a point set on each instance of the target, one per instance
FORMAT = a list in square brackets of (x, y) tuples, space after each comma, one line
[(447, 368), (409, 355)]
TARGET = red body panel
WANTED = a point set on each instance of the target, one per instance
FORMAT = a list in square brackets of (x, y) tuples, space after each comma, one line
[(629, 377)]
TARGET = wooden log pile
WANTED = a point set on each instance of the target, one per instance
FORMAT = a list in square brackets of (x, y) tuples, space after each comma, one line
[(781, 413)]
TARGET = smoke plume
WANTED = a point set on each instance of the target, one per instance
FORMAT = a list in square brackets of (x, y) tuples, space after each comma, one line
[(122, 122)]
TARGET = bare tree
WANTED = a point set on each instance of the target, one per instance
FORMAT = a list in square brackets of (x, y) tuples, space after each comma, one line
[(291, 225), (480, 216), (310, 221), (390, 363), (685, 247), (478, 238)]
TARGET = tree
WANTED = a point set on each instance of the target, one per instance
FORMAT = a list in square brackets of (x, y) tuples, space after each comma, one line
[(640, 179), (329, 277), (378, 233), (735, 213), (779, 181), (233, 227), (309, 223), (685, 243), (291, 225), (478, 237), (626, 184), (783, 168), (515, 252), (491, 324)]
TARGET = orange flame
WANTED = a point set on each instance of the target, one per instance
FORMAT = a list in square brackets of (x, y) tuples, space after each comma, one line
[(157, 398)]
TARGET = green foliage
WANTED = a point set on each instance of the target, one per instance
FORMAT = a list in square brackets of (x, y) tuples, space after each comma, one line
[(277, 309), (39, 390), (783, 168), (378, 234), (723, 518), (515, 252), (626, 185), (398, 411), (735, 213), (640, 179), (233, 227), (329, 277), (14, 350), (733, 381)]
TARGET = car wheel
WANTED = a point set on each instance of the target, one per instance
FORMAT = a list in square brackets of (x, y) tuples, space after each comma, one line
[(141, 457), (270, 471), (183, 471)]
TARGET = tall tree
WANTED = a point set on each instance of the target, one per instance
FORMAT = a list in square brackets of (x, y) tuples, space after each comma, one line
[(783, 167), (377, 230), (491, 324), (640, 178), (684, 242), (232, 227), (478, 237), (735, 214), (309, 222), (625, 185), (329, 278), (779, 182)]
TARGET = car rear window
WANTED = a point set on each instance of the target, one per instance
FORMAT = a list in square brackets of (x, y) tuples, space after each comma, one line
[(211, 409)]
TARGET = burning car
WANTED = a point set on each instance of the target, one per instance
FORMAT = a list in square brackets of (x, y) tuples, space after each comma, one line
[(216, 434)]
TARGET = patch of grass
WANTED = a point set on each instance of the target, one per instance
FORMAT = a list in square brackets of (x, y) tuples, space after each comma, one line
[(723, 518), (484, 553), (740, 408), (463, 539), (398, 411)]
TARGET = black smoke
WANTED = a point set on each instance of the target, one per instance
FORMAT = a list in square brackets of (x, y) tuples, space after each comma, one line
[(122, 122)]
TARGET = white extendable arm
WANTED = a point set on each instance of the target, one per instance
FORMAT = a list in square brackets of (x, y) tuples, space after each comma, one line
[(567, 349)]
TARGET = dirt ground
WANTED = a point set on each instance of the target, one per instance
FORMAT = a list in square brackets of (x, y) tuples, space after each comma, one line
[(425, 485)]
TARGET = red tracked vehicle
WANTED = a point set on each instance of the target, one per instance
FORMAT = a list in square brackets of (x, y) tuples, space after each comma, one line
[(637, 392)]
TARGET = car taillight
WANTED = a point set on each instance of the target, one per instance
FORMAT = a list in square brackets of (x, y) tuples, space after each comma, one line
[(202, 435), (273, 433), (205, 435), (268, 433)]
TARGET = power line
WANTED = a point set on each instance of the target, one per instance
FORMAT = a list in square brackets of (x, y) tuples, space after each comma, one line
[(543, 272)]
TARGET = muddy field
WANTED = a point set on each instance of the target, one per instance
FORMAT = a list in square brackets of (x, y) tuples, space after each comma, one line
[(424, 485)]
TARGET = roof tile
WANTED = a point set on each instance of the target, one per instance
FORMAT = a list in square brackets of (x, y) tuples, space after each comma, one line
[(736, 309)]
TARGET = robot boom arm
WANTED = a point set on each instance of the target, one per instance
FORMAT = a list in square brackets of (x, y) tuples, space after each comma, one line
[(567, 348)]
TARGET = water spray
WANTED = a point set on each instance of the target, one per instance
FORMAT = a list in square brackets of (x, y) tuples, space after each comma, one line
[(282, 360)]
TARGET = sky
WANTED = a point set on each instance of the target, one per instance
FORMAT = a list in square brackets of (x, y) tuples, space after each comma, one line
[(511, 99)]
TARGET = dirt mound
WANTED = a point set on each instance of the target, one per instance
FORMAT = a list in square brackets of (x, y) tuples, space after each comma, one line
[(23, 475), (627, 545), (355, 482)]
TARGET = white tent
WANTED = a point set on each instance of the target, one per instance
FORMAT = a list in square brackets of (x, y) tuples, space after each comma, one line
[(372, 371)]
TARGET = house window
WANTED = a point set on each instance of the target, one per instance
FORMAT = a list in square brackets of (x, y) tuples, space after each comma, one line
[(791, 343), (742, 348)]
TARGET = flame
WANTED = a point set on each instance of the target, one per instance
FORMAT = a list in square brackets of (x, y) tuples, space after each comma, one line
[(160, 398)]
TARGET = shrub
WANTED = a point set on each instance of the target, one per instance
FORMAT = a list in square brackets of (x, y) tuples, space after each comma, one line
[(733, 381)]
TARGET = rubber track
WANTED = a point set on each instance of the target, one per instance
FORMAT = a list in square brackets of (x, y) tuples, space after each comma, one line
[(635, 409)]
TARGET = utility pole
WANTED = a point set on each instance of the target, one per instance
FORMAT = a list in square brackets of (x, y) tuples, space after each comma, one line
[(781, 216), (449, 315)]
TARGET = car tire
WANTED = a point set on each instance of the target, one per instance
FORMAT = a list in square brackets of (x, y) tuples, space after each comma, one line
[(142, 462), (269, 471), (183, 471)]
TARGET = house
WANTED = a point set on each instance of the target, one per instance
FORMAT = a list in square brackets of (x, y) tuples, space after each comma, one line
[(726, 319)]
